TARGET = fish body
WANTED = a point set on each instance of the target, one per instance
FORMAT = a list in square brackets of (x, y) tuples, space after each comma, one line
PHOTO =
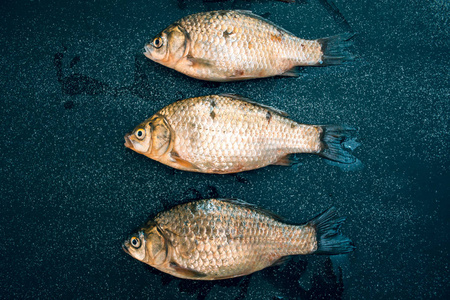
[(230, 45), (228, 134), (223, 238)]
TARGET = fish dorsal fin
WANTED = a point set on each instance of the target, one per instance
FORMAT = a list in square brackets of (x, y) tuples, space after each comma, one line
[(266, 212), (269, 108), (186, 272), (250, 14)]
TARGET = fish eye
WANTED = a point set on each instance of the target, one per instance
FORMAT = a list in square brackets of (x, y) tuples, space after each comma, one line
[(140, 134), (135, 242), (157, 42)]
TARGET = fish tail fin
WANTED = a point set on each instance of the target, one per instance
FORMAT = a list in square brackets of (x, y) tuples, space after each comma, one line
[(329, 239), (334, 49), (337, 142)]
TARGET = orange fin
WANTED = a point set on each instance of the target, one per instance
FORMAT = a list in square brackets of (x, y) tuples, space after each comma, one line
[(186, 272), (182, 163), (286, 160)]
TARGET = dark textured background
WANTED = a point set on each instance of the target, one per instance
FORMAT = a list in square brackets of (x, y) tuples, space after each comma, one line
[(74, 81)]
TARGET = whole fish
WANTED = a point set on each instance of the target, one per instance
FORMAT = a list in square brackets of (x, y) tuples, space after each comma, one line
[(223, 238), (228, 45), (228, 134)]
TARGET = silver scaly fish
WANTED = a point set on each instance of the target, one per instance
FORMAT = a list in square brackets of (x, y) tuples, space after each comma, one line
[(228, 134), (223, 238), (230, 45)]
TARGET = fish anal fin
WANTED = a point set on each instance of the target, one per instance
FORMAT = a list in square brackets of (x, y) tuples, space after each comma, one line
[(186, 272), (293, 72), (287, 160), (182, 163), (269, 108), (280, 261)]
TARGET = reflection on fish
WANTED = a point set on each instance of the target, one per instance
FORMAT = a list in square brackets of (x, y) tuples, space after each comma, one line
[(230, 45), (229, 134), (223, 238)]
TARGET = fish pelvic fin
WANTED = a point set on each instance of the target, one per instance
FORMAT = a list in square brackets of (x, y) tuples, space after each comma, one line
[(334, 49), (329, 239), (337, 142)]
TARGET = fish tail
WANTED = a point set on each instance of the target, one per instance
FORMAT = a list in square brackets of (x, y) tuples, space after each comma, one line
[(329, 239), (334, 49), (337, 143)]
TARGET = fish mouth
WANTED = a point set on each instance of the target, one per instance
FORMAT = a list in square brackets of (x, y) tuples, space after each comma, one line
[(148, 51), (128, 142), (125, 248)]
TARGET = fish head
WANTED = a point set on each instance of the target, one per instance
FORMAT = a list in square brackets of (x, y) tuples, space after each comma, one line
[(169, 46), (148, 245), (151, 138), (135, 245)]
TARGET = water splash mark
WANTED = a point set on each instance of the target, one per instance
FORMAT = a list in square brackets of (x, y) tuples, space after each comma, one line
[(80, 84), (193, 194), (239, 178), (338, 17), (350, 145)]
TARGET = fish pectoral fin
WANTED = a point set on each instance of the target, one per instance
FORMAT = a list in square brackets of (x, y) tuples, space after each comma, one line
[(182, 163), (294, 72), (186, 272), (286, 160), (200, 62)]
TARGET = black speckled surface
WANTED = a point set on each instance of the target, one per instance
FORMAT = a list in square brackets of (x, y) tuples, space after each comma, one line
[(74, 81)]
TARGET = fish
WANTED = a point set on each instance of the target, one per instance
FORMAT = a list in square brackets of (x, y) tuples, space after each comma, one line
[(214, 239), (229, 133), (229, 45)]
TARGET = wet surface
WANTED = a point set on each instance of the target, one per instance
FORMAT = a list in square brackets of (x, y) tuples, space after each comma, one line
[(74, 81)]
